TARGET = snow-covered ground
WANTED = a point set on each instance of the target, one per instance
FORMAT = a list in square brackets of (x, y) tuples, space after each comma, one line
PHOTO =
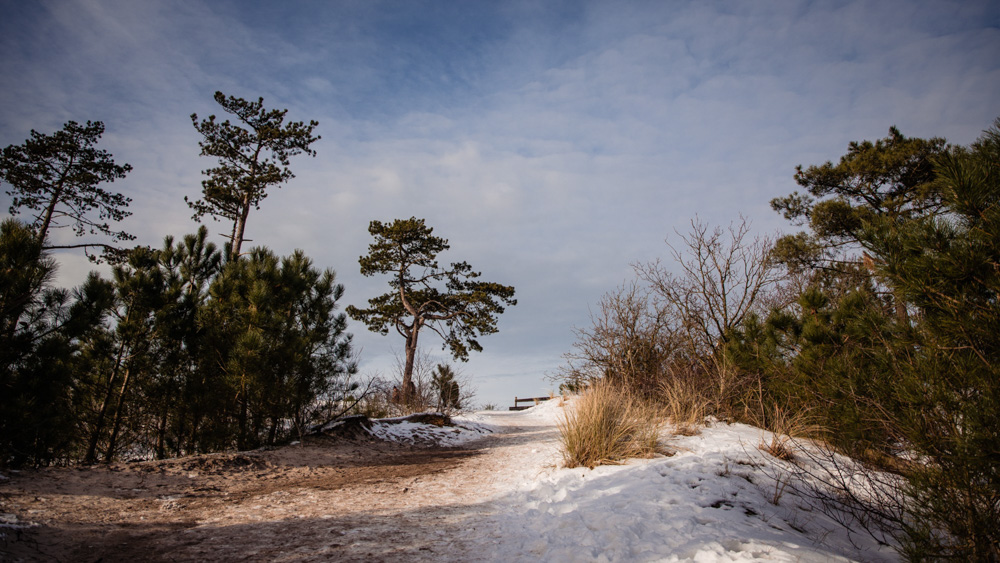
[(507, 497), (717, 498)]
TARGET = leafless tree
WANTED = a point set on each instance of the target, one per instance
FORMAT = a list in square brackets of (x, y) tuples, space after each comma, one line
[(423, 394), (662, 333), (629, 341), (722, 275)]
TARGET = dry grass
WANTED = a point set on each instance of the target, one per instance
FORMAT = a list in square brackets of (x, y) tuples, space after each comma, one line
[(607, 425), (783, 424), (784, 427), (684, 405)]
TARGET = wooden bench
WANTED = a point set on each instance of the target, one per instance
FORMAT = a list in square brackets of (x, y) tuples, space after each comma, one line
[(533, 400)]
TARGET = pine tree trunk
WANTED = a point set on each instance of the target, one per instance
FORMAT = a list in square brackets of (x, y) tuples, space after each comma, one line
[(50, 210), (95, 434), (161, 433), (118, 417), (193, 433), (273, 431), (411, 354), (901, 315), (241, 441), (241, 227)]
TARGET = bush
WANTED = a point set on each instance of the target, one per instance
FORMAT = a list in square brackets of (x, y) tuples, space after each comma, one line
[(606, 424)]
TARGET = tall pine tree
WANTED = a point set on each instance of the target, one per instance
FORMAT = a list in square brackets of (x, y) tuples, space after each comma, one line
[(253, 155), (57, 177)]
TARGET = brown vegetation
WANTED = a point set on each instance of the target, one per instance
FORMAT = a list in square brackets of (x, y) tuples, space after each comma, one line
[(607, 424)]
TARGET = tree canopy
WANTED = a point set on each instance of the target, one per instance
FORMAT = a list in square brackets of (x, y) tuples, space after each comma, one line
[(892, 178)]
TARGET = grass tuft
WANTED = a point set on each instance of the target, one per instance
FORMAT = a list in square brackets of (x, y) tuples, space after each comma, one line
[(606, 425), (685, 406), (784, 427)]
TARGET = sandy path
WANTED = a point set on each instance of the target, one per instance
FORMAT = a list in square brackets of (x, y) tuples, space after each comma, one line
[(321, 501)]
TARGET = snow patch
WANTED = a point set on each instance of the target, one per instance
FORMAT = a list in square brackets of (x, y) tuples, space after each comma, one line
[(462, 431)]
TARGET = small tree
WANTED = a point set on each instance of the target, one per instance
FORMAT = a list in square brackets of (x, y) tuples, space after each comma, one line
[(40, 331), (446, 386), (458, 312), (250, 160), (57, 177), (279, 343)]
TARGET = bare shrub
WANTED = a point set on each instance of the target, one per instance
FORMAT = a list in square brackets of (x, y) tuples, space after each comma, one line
[(608, 424), (723, 276), (628, 343), (857, 496), (371, 400), (662, 334)]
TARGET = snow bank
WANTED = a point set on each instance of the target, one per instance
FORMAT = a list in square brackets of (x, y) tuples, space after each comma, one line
[(718, 498), (712, 501)]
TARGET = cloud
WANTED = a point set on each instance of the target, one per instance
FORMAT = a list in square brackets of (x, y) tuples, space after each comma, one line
[(552, 143)]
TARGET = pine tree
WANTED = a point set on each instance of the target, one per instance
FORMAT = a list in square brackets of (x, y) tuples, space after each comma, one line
[(891, 180), (277, 342), (447, 388), (183, 391), (252, 154), (948, 268), (139, 293), (58, 177), (458, 312), (42, 328)]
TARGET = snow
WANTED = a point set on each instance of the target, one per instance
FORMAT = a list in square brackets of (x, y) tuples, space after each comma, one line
[(463, 431), (718, 498)]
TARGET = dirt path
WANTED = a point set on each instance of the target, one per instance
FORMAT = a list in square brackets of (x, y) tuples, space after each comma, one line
[(322, 500)]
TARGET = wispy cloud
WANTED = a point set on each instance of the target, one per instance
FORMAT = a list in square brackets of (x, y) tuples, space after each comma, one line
[(552, 143)]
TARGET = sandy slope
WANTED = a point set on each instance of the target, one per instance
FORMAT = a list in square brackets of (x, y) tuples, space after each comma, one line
[(319, 501)]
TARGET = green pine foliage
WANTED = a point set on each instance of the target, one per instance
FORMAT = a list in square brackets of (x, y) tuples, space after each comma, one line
[(278, 343), (447, 389), (825, 356), (451, 302), (947, 267), (42, 331), (252, 154), (178, 353), (901, 367), (186, 349), (57, 178)]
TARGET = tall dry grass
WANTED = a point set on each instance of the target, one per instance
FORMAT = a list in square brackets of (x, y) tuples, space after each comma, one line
[(606, 425), (684, 404), (785, 427)]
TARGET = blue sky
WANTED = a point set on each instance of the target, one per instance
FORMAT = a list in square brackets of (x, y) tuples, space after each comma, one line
[(553, 143)]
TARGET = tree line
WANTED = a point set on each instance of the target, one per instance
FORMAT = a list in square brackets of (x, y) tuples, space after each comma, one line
[(190, 347), (875, 329)]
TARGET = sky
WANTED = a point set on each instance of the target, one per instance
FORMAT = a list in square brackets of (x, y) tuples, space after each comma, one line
[(554, 144)]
